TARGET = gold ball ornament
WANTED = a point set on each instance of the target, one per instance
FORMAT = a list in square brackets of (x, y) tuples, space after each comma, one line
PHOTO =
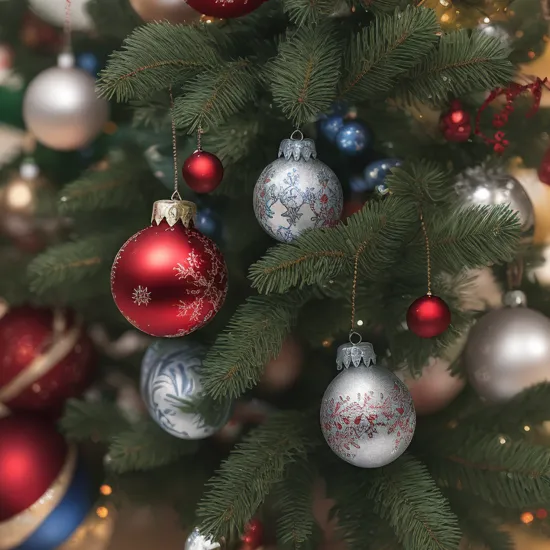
[(173, 11), (283, 371)]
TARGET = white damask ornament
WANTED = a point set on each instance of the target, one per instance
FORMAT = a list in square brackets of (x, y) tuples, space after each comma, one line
[(170, 375), (367, 413), (297, 192)]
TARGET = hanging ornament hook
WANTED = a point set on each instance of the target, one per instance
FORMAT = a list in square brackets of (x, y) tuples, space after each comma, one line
[(297, 135), (67, 28), (176, 194), (428, 255)]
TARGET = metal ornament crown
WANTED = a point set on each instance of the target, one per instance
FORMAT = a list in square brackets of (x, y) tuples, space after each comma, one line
[(297, 149), (356, 355), (173, 212)]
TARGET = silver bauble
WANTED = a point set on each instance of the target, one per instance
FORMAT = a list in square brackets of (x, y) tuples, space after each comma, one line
[(490, 187), (508, 350), (297, 192), (173, 11), (62, 109), (367, 413), (53, 12), (170, 374), (196, 541)]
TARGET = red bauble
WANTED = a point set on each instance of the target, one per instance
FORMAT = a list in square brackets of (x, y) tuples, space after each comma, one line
[(45, 358), (428, 316), (456, 123), (203, 171), (169, 280), (225, 9), (253, 536), (544, 168), (32, 454)]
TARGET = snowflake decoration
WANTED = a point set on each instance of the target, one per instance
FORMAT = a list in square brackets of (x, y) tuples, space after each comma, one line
[(141, 296)]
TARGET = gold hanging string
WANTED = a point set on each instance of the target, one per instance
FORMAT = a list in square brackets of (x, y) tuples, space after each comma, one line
[(176, 193), (428, 257), (200, 132), (67, 27), (360, 249)]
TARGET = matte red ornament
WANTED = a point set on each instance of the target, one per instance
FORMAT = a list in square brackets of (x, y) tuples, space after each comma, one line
[(203, 171), (253, 536), (169, 279), (45, 358), (456, 123), (32, 454), (225, 9), (544, 168), (428, 316)]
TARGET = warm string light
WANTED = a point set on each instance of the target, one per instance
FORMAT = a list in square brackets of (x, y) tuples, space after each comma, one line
[(176, 193), (428, 257), (106, 490), (102, 512)]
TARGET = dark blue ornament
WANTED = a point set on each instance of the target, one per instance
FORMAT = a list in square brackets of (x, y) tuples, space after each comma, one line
[(330, 126), (376, 172), (339, 108), (353, 138), (208, 222), (358, 184), (88, 62)]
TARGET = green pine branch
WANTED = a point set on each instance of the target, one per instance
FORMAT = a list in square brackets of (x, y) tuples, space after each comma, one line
[(304, 74), (390, 47), (146, 446), (293, 498), (252, 338), (155, 56), (302, 12), (464, 61), (253, 468)]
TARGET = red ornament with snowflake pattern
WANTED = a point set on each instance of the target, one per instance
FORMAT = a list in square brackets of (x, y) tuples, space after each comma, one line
[(169, 280), (225, 9)]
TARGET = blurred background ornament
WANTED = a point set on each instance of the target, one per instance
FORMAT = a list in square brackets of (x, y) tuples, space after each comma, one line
[(350, 419), (53, 12), (330, 125), (375, 173), (89, 62), (225, 10), (173, 11), (544, 168), (508, 350), (36, 34), (6, 56), (94, 533), (45, 491), (170, 374), (456, 124), (467, 14), (282, 372), (297, 192), (253, 535), (45, 358), (209, 223), (353, 138), (62, 108), (483, 185)]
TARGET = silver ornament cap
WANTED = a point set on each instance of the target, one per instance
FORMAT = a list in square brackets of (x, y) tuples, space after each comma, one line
[(298, 149), (367, 413), (196, 541)]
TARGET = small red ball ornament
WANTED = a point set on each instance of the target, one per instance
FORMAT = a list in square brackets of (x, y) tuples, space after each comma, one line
[(31, 455), (253, 536), (544, 168), (428, 316), (45, 358), (225, 9), (203, 171), (169, 279), (456, 124)]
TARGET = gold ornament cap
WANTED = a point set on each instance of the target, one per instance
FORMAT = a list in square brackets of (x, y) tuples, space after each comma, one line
[(173, 212)]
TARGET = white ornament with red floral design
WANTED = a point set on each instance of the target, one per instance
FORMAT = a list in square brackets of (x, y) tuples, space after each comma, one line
[(367, 413), (297, 192)]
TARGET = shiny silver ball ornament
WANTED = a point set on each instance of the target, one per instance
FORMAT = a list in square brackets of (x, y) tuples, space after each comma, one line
[(367, 413), (508, 350), (490, 187), (297, 192), (53, 12), (62, 109)]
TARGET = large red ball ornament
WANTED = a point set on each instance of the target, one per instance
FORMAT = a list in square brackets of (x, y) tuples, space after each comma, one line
[(203, 171), (428, 316), (31, 455), (169, 279), (225, 9), (45, 358)]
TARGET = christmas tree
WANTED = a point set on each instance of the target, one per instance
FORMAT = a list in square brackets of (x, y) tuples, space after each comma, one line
[(328, 180)]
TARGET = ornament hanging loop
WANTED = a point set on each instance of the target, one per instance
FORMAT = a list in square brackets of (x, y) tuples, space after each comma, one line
[(200, 132), (297, 135), (67, 28), (355, 338), (176, 193), (428, 255)]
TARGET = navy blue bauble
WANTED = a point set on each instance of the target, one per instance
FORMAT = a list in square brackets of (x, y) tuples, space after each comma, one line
[(358, 184), (376, 172), (330, 126), (353, 138), (88, 62), (208, 223)]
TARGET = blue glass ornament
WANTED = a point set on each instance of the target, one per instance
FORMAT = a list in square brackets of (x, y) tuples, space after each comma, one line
[(208, 223), (88, 62), (353, 138), (330, 126), (170, 374), (358, 184), (339, 108), (375, 173)]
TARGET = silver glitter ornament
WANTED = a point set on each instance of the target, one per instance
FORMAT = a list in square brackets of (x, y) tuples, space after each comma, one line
[(61, 107), (490, 186), (297, 192), (367, 413), (508, 350), (196, 541), (170, 373)]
